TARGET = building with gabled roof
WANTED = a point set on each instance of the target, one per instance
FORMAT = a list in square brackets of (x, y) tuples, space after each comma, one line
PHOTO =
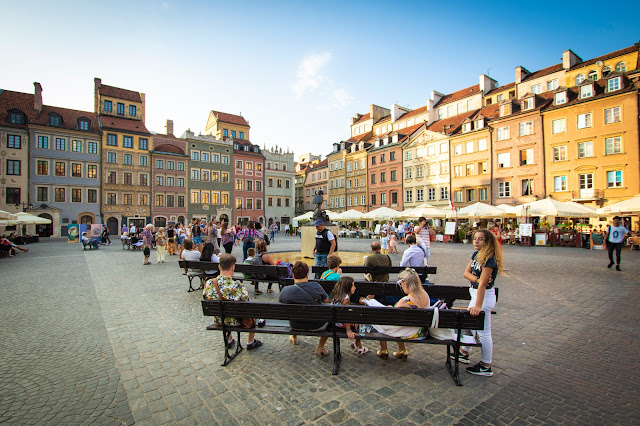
[(224, 125)]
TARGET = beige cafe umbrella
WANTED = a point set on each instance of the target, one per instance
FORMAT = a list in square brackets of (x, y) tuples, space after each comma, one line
[(350, 214), (6, 215), (417, 212), (632, 205), (551, 207), (381, 213), (479, 210), (29, 219)]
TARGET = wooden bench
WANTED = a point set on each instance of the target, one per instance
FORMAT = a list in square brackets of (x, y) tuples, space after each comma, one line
[(278, 315), (268, 273), (423, 271)]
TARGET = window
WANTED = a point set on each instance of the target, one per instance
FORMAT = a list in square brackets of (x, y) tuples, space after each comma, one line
[(128, 159), (215, 158), (614, 179), (431, 193), (132, 110), (527, 187), (238, 164), (143, 160), (503, 133), (108, 106), (120, 108), (92, 171), (504, 160), (144, 180), (457, 171), (92, 148), (170, 181), (457, 195), (471, 195), (536, 88), (205, 156), (373, 160), (92, 195), (526, 156), (111, 198), (444, 193), (112, 177), (621, 67), (613, 84), (249, 185), (239, 184), (586, 91), (613, 145), (466, 127), (233, 134), (143, 143), (393, 175), (225, 132), (419, 153), (259, 167), (444, 168), (112, 140), (279, 183), (111, 157), (504, 189), (593, 75), (76, 195), (419, 195), (373, 180), (76, 170), (61, 144), (559, 153), (407, 173), (241, 135), (612, 115), (483, 194), (500, 98), (431, 150), (195, 174), (419, 172), (159, 179), (159, 200), (552, 84), (579, 78), (180, 182), (559, 126), (159, 164), (12, 196), (527, 104), (585, 149), (14, 141), (407, 155), (128, 179), (127, 141), (143, 200), (43, 167), (249, 202), (42, 194), (561, 98), (54, 120), (225, 177), (586, 180), (560, 183), (247, 165), (61, 168), (60, 195), (180, 166), (195, 197), (408, 196), (195, 155), (584, 120), (469, 147), (505, 109), (43, 142), (526, 128), (205, 175), (383, 177), (180, 200), (16, 118), (76, 146), (457, 149), (287, 184)]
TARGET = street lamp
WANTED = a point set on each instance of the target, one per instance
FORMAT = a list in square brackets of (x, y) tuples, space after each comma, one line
[(25, 206)]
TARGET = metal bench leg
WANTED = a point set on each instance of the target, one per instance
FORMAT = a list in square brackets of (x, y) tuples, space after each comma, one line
[(228, 357), (190, 284), (336, 356)]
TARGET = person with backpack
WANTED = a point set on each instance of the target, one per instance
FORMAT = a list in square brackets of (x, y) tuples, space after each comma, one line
[(325, 245)]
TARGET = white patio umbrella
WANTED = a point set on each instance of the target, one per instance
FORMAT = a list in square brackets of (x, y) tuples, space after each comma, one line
[(631, 205), (417, 212), (381, 213), (29, 219), (350, 214), (503, 207), (3, 223), (6, 215), (551, 207), (307, 216), (479, 210)]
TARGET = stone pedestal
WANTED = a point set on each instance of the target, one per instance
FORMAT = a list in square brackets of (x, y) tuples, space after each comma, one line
[(309, 238)]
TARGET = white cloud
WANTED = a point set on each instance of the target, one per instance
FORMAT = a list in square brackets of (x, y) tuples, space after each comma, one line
[(341, 98), (309, 75)]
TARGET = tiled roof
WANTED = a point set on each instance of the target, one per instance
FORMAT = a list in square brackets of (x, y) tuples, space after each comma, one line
[(489, 112), (460, 94), (385, 118), (501, 88), (449, 125), (543, 72), (600, 92), (116, 92), (416, 111), (69, 118), (403, 135), (15, 100), (363, 118), (123, 124), (363, 137), (230, 118), (168, 148), (620, 52)]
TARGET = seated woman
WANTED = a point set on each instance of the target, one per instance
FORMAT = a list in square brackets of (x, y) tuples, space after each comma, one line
[(262, 258), (341, 295), (334, 271), (210, 254), (415, 298), (304, 292)]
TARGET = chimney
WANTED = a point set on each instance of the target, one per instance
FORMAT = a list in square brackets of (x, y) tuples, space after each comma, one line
[(569, 59), (486, 84), (169, 127), (355, 118), (396, 112), (97, 83), (521, 74), (142, 112), (37, 97)]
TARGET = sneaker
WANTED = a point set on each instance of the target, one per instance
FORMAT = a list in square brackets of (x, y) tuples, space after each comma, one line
[(254, 345), (480, 370), (618, 268), (463, 358), (230, 343), (610, 265)]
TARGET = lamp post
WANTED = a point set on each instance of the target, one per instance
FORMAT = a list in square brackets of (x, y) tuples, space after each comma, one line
[(240, 209), (25, 206)]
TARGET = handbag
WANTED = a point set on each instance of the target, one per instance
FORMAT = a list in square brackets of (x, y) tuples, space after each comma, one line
[(440, 333), (246, 322)]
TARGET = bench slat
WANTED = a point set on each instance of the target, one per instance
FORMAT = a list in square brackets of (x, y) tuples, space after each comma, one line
[(361, 269)]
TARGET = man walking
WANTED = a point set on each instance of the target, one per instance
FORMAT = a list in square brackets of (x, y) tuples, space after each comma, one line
[(325, 244), (614, 237)]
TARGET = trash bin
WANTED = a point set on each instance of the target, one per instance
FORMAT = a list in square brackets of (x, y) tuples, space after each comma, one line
[(586, 240)]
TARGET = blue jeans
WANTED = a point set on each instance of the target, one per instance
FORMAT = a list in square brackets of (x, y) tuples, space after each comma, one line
[(245, 247), (321, 260)]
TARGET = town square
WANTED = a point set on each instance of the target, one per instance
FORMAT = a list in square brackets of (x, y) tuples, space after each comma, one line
[(336, 213)]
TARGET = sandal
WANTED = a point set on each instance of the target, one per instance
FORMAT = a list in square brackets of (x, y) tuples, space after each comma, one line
[(322, 351), (361, 351), (293, 339), (257, 291)]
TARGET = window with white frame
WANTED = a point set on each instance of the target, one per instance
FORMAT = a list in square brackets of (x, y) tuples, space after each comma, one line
[(585, 180), (500, 98), (450, 110), (362, 200), (419, 153), (407, 155), (419, 173), (505, 109), (457, 171), (612, 115), (614, 179), (466, 127), (482, 144), (440, 113), (552, 84), (526, 156), (621, 67), (444, 147), (561, 98), (431, 150), (407, 173), (593, 75), (560, 153), (419, 195), (526, 186), (585, 149), (526, 128), (579, 78), (613, 145), (480, 124), (586, 91), (504, 189), (504, 160), (342, 201), (503, 133), (444, 168), (457, 149), (431, 193), (444, 193), (383, 198), (469, 147), (536, 88), (408, 196), (470, 170), (584, 120), (527, 104), (457, 196), (560, 183), (613, 84), (559, 126), (483, 194), (431, 169)]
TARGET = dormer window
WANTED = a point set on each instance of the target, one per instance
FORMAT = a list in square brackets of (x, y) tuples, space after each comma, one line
[(552, 84), (395, 138), (586, 91), (236, 146), (606, 71), (16, 117), (613, 84), (466, 127), (527, 104), (561, 98), (361, 145), (621, 67), (579, 78), (480, 124), (593, 75), (55, 120), (505, 110), (83, 124), (245, 148), (389, 139), (500, 98)]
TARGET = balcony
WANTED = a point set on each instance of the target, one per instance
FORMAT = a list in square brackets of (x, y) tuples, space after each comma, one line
[(590, 194)]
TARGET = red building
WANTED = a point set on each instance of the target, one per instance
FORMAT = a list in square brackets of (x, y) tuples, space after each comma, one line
[(248, 181)]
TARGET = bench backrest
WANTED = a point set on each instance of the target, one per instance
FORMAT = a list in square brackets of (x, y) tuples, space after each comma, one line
[(343, 314), (377, 269), (266, 272)]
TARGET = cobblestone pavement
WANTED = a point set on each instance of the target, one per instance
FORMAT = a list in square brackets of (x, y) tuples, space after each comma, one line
[(96, 337)]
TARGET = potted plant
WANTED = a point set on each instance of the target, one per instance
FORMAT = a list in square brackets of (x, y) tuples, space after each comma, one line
[(463, 231)]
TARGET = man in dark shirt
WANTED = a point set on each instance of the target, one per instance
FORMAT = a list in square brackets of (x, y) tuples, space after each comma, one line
[(377, 259)]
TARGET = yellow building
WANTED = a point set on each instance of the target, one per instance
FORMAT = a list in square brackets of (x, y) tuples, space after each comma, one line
[(126, 189), (623, 60), (356, 176), (223, 125), (591, 142)]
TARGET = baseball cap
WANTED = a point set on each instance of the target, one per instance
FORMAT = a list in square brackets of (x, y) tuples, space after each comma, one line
[(318, 222), (616, 217)]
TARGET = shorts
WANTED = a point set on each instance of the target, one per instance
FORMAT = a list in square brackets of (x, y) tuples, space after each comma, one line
[(197, 240), (385, 251), (180, 240)]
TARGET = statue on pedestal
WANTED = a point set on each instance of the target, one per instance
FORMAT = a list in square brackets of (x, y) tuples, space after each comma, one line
[(319, 213)]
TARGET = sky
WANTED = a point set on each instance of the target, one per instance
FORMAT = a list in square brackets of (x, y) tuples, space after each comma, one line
[(296, 70)]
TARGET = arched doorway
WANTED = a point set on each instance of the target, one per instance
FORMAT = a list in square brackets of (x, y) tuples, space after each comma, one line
[(224, 218), (86, 220), (181, 219), (112, 224), (270, 221), (45, 230), (160, 222)]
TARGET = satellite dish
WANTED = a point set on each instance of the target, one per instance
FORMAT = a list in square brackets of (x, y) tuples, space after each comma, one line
[(599, 63)]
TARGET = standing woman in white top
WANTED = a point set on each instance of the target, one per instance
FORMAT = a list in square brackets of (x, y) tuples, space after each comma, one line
[(424, 232)]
